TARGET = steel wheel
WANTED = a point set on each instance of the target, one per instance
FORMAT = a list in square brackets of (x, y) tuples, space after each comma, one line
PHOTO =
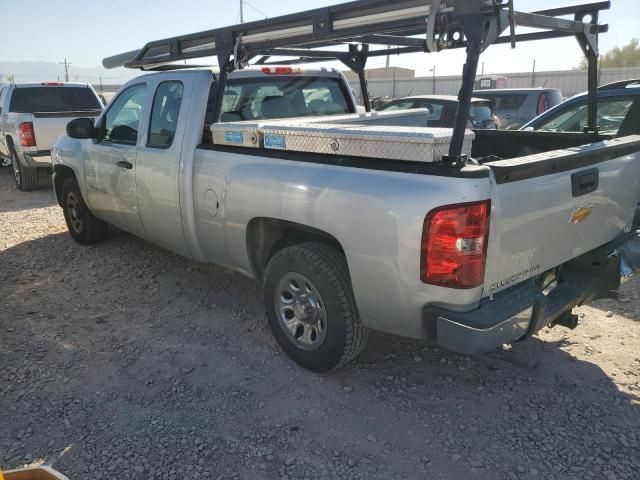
[(74, 209), (301, 311)]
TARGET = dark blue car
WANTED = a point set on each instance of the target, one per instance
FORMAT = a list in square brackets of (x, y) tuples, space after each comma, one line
[(618, 112)]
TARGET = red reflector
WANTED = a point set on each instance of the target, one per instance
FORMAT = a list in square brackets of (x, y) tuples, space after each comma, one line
[(542, 104), (52, 84), (280, 70), (27, 137), (454, 245)]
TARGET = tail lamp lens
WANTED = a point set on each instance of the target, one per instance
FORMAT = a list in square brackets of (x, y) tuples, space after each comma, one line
[(543, 104), (27, 137), (454, 245)]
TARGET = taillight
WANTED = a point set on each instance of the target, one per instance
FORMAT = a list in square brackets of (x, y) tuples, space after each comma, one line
[(280, 70), (543, 104), (454, 245), (52, 84), (27, 137)]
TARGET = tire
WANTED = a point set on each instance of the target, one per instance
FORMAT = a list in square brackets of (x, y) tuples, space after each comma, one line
[(324, 303), (26, 178), (83, 226)]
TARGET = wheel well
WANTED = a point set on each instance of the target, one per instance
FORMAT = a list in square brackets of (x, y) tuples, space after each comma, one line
[(267, 236), (62, 173)]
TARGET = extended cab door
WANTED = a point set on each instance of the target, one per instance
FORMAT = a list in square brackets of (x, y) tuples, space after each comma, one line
[(158, 164), (110, 167)]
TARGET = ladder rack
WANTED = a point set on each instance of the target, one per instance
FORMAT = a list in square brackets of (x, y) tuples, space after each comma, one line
[(355, 31)]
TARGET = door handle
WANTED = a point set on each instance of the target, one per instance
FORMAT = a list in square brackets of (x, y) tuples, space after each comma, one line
[(585, 182), (124, 164)]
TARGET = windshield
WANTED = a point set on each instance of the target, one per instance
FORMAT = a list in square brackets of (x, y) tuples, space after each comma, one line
[(53, 99), (611, 114), (283, 97)]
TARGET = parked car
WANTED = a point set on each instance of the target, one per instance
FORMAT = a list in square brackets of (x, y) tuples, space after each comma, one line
[(618, 111), (32, 117), (443, 110), (346, 242), (516, 106)]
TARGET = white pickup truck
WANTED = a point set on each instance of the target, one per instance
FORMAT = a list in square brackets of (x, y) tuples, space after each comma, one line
[(344, 240), (32, 117)]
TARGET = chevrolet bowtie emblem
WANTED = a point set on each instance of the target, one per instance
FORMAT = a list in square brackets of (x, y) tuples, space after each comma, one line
[(580, 214)]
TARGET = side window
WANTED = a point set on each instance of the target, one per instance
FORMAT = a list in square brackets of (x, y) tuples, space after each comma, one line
[(611, 114), (436, 110), (507, 102), (123, 117), (165, 114), (398, 106)]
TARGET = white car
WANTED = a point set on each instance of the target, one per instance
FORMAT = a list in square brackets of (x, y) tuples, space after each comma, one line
[(32, 117)]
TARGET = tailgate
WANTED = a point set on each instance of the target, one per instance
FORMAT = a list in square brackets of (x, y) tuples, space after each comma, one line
[(552, 207), (48, 126)]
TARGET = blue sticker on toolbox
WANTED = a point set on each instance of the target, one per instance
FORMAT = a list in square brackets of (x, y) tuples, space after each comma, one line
[(233, 137), (275, 141)]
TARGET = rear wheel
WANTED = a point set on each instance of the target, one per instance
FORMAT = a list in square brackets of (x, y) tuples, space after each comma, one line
[(26, 177), (311, 308), (83, 226)]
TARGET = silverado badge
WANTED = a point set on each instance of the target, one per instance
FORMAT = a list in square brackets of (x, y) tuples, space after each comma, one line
[(580, 214)]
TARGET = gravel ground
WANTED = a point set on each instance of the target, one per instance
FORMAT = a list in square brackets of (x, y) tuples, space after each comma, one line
[(138, 364)]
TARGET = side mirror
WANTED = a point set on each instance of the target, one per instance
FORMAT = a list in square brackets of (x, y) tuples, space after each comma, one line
[(81, 128)]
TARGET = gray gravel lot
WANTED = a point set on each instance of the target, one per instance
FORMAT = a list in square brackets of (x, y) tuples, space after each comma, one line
[(142, 365)]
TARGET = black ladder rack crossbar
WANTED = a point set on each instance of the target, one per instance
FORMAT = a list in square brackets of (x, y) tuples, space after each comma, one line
[(355, 31)]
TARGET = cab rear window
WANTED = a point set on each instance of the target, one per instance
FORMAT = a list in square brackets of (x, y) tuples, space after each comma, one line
[(503, 102), (53, 99), (283, 97)]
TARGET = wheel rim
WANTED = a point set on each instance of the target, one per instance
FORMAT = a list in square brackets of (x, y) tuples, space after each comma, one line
[(301, 311), (74, 209), (16, 170)]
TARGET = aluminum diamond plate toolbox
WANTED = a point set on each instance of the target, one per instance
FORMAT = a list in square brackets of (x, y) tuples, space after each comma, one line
[(418, 144), (250, 133)]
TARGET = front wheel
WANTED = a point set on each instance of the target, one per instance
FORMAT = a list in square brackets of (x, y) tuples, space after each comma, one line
[(311, 308), (83, 226)]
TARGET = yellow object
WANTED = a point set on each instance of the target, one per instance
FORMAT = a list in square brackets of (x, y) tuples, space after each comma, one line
[(35, 473)]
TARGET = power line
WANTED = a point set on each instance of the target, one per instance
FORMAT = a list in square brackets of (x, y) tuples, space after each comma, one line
[(256, 9)]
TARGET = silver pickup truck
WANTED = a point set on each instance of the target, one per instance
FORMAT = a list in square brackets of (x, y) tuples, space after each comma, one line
[(469, 256), (32, 117)]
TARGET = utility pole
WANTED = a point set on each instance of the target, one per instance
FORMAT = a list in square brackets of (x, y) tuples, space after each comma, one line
[(101, 89), (66, 69), (433, 80), (533, 74), (241, 11)]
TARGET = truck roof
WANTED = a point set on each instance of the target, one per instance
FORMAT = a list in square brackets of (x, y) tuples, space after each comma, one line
[(51, 84), (514, 90)]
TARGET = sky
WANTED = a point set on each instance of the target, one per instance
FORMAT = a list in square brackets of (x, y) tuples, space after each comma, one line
[(84, 34)]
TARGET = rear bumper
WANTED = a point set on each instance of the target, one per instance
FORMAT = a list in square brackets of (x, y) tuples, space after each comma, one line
[(40, 158), (521, 311)]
